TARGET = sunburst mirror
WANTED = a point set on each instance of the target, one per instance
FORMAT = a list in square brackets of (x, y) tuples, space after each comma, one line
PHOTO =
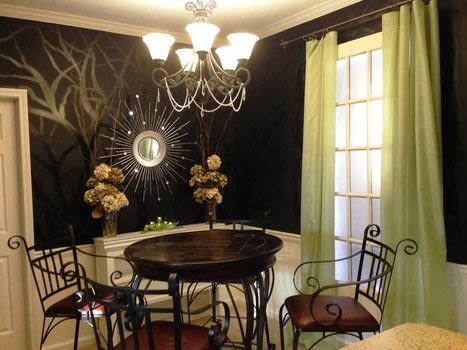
[(149, 146)]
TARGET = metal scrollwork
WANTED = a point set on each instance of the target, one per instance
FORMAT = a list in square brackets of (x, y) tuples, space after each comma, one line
[(409, 246)]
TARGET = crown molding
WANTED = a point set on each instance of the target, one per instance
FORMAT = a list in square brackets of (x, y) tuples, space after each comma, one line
[(82, 22), (32, 14), (321, 9)]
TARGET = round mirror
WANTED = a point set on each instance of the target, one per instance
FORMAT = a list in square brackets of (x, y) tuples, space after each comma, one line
[(149, 148)]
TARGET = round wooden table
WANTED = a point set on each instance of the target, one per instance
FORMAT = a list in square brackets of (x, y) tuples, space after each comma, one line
[(213, 256)]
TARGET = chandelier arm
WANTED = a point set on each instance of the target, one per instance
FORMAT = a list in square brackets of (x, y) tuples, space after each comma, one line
[(177, 106), (231, 101), (172, 77), (215, 69), (203, 109), (230, 104), (188, 101)]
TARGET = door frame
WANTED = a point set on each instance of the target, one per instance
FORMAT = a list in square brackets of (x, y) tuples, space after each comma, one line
[(20, 97)]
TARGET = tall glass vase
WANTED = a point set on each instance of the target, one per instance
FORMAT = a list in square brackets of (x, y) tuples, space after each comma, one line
[(110, 224), (211, 210)]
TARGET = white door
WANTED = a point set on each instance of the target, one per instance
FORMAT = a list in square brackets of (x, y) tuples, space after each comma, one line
[(15, 217)]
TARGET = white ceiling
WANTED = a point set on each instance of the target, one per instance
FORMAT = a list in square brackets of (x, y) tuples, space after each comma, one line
[(137, 17)]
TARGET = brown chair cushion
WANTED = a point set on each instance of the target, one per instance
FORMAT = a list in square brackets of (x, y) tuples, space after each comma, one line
[(354, 316), (193, 337), (69, 307), (65, 307)]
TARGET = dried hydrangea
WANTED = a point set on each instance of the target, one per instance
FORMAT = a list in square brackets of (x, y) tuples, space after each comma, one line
[(104, 190), (204, 194), (116, 176), (101, 172), (114, 202), (197, 169), (214, 162), (208, 182)]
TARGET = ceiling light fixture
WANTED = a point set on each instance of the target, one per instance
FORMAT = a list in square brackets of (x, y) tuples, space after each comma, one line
[(209, 85)]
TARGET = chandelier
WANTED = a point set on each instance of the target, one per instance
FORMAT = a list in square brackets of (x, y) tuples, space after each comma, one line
[(206, 80)]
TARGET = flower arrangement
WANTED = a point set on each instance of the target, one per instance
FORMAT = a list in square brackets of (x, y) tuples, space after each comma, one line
[(104, 190), (208, 180)]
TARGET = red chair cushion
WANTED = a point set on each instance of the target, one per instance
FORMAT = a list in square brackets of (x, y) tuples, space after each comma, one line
[(193, 337), (355, 318)]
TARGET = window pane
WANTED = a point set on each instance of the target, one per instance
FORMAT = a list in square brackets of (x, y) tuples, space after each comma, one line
[(341, 173), (340, 126), (375, 161), (358, 172), (340, 216), (340, 80), (358, 74), (375, 123), (375, 203), (358, 124), (359, 216), (377, 73), (355, 260), (343, 266)]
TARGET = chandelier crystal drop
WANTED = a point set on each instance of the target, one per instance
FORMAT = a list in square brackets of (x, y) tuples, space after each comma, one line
[(205, 80)]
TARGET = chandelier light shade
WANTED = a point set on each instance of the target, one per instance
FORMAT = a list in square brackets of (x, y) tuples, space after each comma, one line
[(188, 59), (243, 44), (159, 45), (205, 80), (202, 35), (228, 58)]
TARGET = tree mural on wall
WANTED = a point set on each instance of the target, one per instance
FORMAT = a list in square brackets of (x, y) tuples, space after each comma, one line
[(74, 78)]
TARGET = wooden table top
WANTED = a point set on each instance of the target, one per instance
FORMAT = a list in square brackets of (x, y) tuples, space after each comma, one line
[(211, 255)]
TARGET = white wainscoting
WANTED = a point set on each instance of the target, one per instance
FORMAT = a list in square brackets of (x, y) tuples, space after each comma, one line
[(457, 279)]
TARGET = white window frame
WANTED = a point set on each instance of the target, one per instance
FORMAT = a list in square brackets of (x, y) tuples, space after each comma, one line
[(347, 50)]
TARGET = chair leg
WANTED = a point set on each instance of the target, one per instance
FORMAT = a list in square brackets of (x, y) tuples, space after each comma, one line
[(214, 298), (42, 333), (282, 322), (75, 344), (296, 335)]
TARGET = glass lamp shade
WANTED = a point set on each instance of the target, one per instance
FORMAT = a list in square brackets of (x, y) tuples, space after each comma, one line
[(243, 44), (202, 35), (159, 45), (227, 57), (188, 59)]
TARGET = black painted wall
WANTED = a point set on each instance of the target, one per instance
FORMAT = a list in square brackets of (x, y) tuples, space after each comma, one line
[(76, 79)]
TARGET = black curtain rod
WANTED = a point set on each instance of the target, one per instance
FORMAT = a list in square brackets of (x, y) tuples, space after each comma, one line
[(314, 34)]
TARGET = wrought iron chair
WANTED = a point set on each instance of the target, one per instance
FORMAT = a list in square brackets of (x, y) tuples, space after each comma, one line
[(56, 295), (331, 314), (133, 323), (239, 224)]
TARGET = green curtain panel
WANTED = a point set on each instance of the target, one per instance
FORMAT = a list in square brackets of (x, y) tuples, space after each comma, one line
[(411, 190), (317, 196)]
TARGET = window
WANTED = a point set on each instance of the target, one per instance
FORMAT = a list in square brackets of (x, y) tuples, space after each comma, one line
[(359, 111)]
